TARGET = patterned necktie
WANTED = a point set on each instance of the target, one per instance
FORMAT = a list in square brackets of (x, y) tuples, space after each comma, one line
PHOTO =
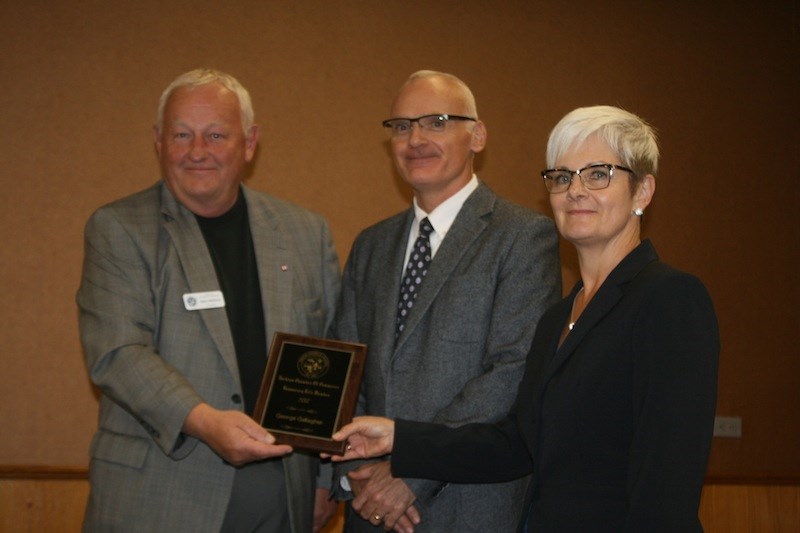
[(417, 267)]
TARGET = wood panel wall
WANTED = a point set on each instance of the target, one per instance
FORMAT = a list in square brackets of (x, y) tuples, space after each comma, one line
[(750, 508), (53, 500), (80, 82)]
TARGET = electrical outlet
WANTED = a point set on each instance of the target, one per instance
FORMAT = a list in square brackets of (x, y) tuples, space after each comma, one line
[(728, 426)]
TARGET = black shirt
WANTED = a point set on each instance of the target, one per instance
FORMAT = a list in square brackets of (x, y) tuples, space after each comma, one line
[(230, 243)]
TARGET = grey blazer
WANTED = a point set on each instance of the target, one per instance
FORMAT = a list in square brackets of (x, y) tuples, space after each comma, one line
[(154, 361), (462, 352)]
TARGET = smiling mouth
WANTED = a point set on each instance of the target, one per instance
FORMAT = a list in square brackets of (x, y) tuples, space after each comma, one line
[(420, 159)]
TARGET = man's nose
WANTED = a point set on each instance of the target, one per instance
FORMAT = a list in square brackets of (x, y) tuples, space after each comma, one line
[(417, 134), (198, 148)]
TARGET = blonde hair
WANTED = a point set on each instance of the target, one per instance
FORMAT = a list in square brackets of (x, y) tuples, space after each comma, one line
[(205, 76), (630, 137)]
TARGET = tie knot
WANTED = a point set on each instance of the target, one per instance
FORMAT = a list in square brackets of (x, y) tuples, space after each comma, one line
[(425, 227)]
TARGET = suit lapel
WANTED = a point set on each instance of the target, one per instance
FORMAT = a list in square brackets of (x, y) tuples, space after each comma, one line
[(181, 225), (467, 226), (390, 258), (275, 273), (603, 302)]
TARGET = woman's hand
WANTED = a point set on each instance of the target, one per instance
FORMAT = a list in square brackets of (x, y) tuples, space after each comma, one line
[(366, 436)]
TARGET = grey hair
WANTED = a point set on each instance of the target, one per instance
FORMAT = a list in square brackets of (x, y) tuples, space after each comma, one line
[(469, 98), (205, 76), (630, 137)]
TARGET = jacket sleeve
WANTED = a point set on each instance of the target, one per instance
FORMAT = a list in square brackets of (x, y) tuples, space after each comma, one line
[(474, 453), (117, 315), (676, 340)]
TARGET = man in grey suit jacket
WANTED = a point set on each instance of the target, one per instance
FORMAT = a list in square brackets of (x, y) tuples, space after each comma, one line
[(458, 354), (183, 286)]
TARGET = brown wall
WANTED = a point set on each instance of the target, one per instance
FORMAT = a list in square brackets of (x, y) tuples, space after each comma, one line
[(80, 82)]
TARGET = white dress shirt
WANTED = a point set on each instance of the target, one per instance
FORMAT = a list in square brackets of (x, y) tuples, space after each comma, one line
[(441, 218)]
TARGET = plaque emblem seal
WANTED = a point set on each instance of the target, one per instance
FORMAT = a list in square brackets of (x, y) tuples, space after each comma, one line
[(313, 364)]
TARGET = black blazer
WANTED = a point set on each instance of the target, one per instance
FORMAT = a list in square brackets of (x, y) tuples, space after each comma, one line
[(615, 425)]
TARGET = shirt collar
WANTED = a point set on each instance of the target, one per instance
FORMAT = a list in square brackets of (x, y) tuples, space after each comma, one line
[(443, 216)]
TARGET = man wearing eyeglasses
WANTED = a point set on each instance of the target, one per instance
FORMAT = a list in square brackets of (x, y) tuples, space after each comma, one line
[(446, 295)]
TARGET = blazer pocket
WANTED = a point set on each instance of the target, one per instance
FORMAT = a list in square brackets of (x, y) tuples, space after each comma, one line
[(124, 450)]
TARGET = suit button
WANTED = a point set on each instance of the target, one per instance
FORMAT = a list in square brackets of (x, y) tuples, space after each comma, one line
[(236, 399)]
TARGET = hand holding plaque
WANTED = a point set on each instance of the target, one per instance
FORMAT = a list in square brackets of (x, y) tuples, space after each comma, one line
[(309, 390)]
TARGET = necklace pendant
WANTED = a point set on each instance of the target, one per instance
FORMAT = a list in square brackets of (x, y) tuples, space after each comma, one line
[(572, 311)]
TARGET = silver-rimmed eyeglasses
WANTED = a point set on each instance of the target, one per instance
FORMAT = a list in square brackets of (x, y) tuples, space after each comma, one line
[(400, 127), (558, 180)]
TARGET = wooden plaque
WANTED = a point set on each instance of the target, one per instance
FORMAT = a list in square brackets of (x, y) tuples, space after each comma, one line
[(309, 390)]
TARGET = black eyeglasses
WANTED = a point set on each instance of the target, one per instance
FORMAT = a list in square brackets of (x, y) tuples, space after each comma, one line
[(558, 180), (400, 127)]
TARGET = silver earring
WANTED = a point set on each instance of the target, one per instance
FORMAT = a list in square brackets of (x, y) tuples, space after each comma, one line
[(638, 211)]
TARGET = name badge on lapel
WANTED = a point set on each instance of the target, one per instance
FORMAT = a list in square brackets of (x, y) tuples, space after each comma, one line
[(194, 301)]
